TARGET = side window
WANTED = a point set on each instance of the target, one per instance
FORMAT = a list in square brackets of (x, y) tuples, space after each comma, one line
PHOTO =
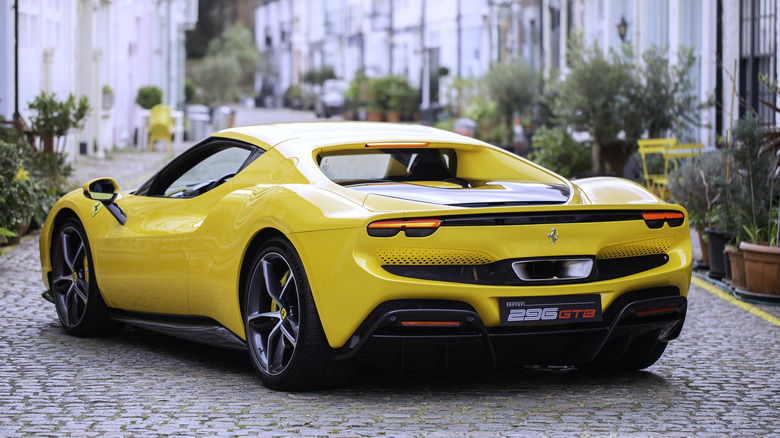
[(199, 170)]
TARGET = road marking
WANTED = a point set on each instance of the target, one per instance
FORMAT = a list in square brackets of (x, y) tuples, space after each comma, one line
[(729, 298)]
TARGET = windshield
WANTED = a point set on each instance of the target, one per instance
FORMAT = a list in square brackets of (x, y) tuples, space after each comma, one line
[(354, 166)]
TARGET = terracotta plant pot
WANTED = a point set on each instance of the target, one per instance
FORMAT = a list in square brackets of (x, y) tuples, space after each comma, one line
[(393, 117), (737, 260), (762, 268), (375, 116)]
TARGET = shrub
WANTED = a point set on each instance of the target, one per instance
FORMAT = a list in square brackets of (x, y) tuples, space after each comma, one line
[(148, 96), (16, 189), (556, 150)]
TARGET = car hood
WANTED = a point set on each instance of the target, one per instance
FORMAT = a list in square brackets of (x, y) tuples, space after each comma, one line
[(487, 195)]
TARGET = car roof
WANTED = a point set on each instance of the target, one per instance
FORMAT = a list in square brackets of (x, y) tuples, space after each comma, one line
[(323, 134)]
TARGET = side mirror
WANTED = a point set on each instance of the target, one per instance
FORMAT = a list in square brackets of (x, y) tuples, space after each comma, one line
[(105, 191)]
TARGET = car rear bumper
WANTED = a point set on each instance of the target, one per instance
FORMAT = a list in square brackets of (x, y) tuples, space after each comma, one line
[(451, 334)]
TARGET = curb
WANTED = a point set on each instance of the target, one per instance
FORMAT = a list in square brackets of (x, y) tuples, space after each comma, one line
[(709, 285)]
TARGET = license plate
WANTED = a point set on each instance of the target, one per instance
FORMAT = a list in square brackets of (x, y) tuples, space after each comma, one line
[(546, 310)]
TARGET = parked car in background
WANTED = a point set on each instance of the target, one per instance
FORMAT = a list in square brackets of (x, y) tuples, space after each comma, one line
[(330, 100)]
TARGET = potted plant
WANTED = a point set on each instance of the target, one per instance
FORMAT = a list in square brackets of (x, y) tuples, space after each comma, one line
[(758, 162), (148, 97), (378, 101), (687, 183), (356, 96), (108, 97), (712, 212), (54, 119)]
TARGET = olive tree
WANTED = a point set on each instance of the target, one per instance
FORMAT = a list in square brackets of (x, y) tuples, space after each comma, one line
[(229, 65), (598, 96), (512, 87)]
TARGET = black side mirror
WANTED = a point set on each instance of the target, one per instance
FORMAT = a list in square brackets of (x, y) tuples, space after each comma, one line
[(105, 191)]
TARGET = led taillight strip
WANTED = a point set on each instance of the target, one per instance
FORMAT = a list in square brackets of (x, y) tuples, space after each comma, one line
[(656, 219), (404, 144), (411, 227)]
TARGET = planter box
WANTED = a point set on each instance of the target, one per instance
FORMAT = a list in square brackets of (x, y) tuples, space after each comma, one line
[(762, 268)]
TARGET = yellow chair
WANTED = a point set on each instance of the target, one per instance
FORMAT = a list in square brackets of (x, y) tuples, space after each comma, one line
[(656, 146), (160, 126), (671, 152)]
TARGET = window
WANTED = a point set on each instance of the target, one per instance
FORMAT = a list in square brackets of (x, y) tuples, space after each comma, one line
[(199, 170), (355, 166), (758, 34)]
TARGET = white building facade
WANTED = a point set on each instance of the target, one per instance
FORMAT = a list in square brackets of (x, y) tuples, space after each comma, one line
[(733, 40), (105, 50), (410, 38)]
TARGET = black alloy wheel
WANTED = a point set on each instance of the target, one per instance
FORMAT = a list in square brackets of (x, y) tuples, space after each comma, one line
[(287, 345), (80, 307)]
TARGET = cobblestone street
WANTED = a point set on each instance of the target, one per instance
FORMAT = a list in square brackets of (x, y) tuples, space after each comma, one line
[(720, 378)]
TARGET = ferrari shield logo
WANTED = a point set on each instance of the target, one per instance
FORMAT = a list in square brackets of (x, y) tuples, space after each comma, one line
[(96, 208)]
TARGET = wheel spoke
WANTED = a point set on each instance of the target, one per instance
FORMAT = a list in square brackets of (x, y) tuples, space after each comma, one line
[(271, 282), (65, 300), (81, 290), (72, 305), (65, 280), (79, 255), (271, 344), (279, 348), (290, 331), (288, 285), (66, 251), (263, 322)]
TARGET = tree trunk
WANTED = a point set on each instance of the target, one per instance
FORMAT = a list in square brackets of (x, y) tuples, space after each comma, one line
[(48, 144), (596, 156), (509, 132)]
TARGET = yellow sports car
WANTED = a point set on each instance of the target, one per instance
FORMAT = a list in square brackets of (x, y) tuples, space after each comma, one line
[(317, 246)]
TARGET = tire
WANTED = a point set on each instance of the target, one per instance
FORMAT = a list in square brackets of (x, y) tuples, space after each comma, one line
[(287, 345), (80, 307)]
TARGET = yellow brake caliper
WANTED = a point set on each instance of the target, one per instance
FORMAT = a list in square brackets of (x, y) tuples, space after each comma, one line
[(274, 306)]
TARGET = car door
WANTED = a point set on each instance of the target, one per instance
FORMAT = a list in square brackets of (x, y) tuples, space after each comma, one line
[(150, 255)]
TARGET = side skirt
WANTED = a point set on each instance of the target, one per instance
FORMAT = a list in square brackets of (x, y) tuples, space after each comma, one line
[(196, 329)]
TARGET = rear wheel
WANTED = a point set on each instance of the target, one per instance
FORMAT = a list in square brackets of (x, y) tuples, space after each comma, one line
[(287, 345), (80, 308)]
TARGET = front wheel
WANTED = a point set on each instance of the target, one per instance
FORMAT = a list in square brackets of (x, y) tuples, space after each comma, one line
[(287, 345), (80, 307)]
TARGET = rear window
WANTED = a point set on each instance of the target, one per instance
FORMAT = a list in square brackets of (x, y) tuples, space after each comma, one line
[(355, 166)]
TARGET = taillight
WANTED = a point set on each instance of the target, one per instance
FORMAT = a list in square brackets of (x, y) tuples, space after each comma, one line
[(656, 219), (398, 144), (411, 227)]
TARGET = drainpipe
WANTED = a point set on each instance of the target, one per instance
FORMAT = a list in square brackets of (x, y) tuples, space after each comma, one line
[(460, 39), (17, 116)]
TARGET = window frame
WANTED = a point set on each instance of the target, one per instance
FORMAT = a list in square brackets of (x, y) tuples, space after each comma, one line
[(171, 172)]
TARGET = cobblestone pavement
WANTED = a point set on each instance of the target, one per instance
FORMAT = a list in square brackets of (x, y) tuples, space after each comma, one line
[(720, 378)]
